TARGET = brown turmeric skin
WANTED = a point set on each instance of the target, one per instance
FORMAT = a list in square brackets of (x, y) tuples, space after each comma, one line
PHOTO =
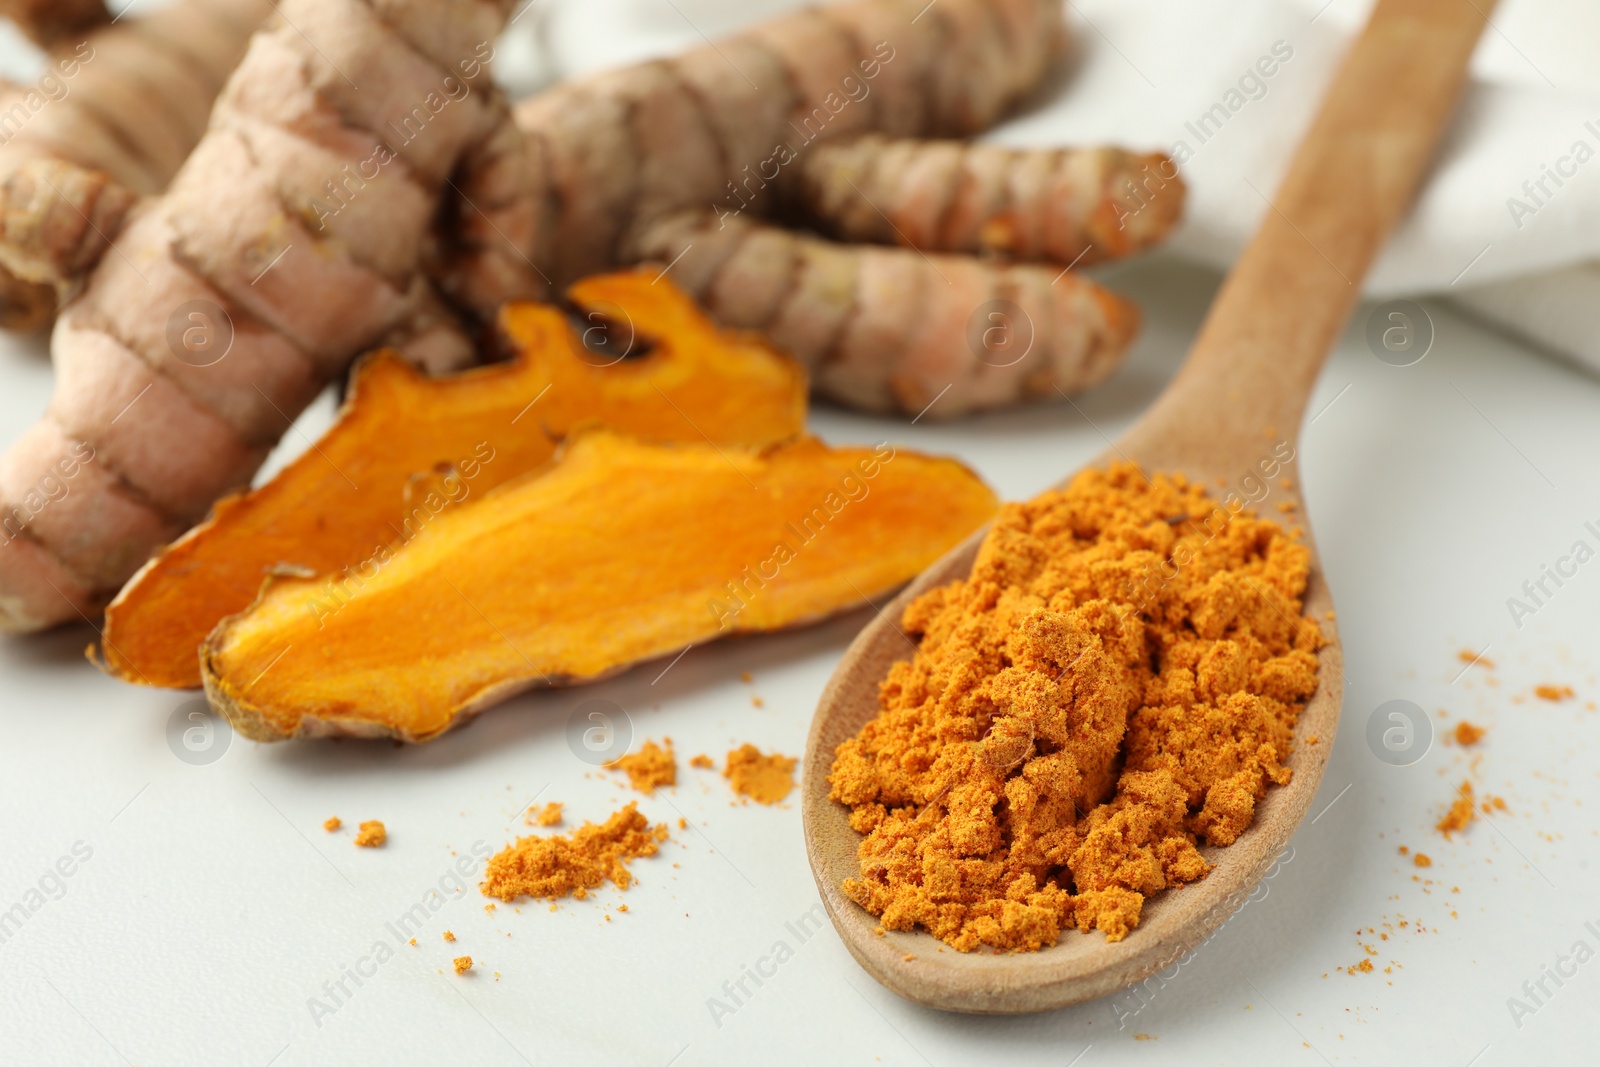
[(845, 119), (119, 107), (1116, 683), (236, 248), (291, 281)]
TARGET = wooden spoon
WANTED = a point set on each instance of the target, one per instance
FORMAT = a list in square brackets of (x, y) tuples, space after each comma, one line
[(1240, 394)]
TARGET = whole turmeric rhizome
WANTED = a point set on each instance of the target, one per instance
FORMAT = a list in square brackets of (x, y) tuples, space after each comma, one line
[(1117, 682)]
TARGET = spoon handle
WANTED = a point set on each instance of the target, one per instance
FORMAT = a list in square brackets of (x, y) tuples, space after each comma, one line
[(1287, 298)]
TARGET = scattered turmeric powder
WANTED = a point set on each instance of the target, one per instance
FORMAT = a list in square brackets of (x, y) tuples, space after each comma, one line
[(550, 814), (1119, 678), (463, 964), (1461, 813), (1423, 860), (332, 824), (704, 762), (764, 779), (1364, 967), (649, 767), (449, 936), (371, 834), (1553, 693), (554, 867), (1469, 657), (1468, 734)]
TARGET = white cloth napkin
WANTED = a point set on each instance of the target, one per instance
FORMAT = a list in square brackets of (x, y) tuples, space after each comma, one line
[(1508, 225)]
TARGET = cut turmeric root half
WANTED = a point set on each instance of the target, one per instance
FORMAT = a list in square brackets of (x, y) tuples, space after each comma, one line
[(406, 448), (619, 552)]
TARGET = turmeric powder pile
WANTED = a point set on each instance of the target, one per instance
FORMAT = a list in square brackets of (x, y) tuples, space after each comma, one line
[(650, 767), (765, 779), (1461, 812), (1117, 682), (559, 866)]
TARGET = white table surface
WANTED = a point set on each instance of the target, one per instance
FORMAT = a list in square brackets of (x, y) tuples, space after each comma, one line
[(213, 907)]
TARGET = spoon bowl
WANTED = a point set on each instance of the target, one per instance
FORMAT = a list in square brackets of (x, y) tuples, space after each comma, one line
[(1224, 421), (1078, 967)]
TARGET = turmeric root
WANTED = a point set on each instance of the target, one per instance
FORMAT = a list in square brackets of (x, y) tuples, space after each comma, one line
[(331, 192), (235, 296), (887, 329), (816, 117), (617, 152), (620, 552), (344, 503), (114, 115), (1080, 206)]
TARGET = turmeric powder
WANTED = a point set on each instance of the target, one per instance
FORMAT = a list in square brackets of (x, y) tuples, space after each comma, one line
[(1118, 679), (557, 866), (1461, 812), (371, 834), (649, 767), (764, 779)]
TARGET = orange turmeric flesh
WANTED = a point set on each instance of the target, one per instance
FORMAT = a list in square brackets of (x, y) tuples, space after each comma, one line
[(619, 552), (1116, 682), (668, 373)]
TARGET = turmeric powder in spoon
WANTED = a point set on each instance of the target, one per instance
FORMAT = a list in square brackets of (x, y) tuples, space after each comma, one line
[(1115, 684)]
